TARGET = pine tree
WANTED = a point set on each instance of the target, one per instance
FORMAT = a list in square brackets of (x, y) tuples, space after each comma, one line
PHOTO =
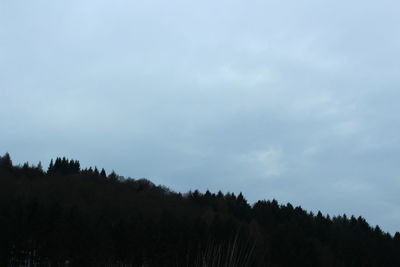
[(103, 173), (113, 176), (5, 161), (51, 167), (39, 166)]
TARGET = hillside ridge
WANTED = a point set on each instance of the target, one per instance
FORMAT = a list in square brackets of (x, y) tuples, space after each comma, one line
[(71, 216)]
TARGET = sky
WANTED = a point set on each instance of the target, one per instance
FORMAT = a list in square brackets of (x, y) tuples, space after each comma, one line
[(292, 100)]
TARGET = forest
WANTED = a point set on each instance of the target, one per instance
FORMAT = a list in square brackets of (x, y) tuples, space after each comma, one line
[(72, 216)]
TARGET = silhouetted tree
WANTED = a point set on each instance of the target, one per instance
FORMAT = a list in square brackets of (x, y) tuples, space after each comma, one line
[(6, 162), (51, 167), (103, 173)]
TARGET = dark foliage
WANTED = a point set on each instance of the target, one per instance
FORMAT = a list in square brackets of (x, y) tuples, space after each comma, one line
[(74, 217)]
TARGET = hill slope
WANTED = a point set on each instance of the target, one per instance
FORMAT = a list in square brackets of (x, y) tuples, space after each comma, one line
[(88, 218)]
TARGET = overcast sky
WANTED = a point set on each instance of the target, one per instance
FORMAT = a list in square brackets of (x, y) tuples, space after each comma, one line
[(293, 100)]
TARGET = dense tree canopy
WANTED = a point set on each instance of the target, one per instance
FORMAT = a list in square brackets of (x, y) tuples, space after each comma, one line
[(88, 218)]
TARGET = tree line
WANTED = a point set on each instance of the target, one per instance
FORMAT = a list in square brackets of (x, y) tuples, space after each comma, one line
[(69, 216)]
